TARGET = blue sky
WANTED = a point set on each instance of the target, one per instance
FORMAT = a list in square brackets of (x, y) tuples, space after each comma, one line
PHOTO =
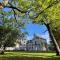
[(37, 29), (1, 0)]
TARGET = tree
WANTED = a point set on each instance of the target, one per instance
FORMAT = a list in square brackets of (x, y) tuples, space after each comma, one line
[(50, 21), (36, 9), (7, 37), (9, 29)]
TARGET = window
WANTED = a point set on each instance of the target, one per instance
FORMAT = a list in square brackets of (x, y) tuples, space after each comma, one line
[(35, 42)]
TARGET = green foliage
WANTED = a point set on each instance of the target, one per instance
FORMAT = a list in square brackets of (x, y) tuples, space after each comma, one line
[(51, 14), (8, 36), (50, 8)]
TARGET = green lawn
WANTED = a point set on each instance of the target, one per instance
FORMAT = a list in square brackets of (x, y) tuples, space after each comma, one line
[(29, 56)]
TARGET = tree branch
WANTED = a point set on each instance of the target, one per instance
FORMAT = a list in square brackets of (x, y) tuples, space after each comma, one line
[(14, 14), (11, 6), (50, 5)]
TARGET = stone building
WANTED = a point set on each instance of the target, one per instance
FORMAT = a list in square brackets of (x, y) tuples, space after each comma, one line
[(21, 44), (37, 44)]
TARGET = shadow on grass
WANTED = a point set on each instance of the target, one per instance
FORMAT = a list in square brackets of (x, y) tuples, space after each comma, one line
[(29, 58)]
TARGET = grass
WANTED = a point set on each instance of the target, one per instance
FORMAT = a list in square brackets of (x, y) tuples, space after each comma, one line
[(29, 56)]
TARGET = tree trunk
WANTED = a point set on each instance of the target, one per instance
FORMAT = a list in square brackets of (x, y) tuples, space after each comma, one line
[(53, 40), (2, 50)]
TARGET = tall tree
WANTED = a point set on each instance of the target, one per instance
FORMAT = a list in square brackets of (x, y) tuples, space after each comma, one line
[(37, 9)]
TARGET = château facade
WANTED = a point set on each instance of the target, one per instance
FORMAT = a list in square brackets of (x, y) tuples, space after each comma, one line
[(36, 44)]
